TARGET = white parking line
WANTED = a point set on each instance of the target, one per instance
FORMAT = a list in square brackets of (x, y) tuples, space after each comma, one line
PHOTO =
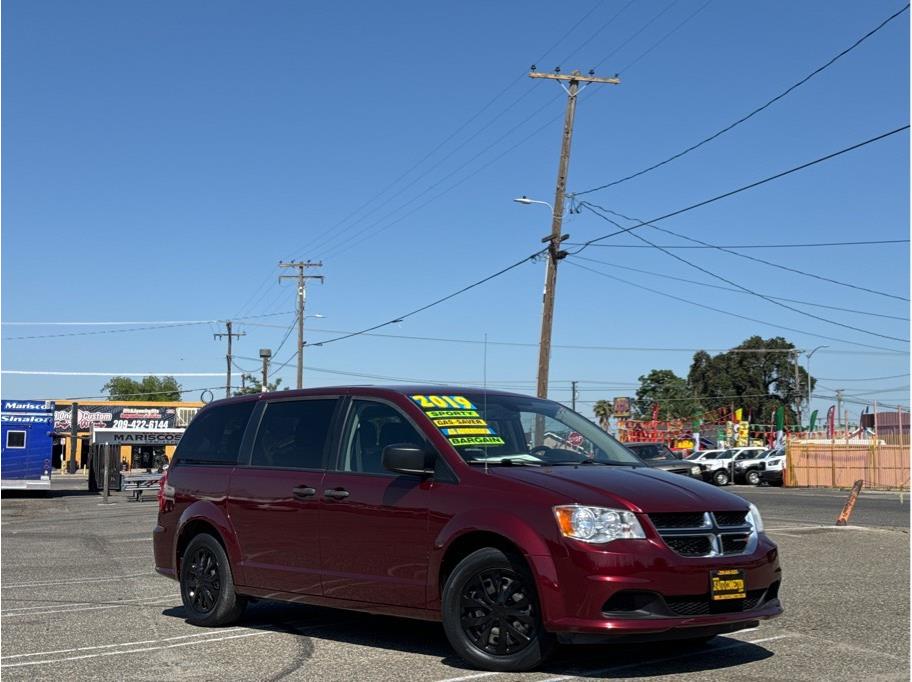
[(77, 581), (121, 644), (83, 606), (134, 651)]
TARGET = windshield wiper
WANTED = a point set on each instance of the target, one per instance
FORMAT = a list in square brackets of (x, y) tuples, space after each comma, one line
[(571, 462), (503, 461)]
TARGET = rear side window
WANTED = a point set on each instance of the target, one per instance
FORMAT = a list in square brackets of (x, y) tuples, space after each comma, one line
[(214, 436), (293, 434)]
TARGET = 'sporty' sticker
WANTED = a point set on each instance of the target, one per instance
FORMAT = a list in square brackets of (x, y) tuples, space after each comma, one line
[(458, 419)]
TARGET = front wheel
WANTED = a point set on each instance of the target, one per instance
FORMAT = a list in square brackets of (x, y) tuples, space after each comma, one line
[(207, 587), (721, 477), (491, 614)]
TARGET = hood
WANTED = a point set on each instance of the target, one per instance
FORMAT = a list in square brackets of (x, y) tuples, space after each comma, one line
[(639, 489)]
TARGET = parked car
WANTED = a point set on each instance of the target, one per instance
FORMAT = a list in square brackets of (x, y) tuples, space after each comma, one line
[(704, 454), (454, 505), (747, 470), (660, 456), (771, 469)]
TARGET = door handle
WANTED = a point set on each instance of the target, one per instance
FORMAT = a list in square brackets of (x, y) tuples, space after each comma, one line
[(302, 492), (336, 494)]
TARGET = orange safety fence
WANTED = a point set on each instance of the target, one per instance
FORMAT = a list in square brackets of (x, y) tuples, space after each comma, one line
[(839, 465)]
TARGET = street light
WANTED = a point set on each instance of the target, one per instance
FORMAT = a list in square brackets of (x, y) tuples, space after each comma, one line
[(808, 370), (526, 200)]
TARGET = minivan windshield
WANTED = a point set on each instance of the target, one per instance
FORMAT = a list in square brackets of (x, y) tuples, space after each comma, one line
[(507, 430)]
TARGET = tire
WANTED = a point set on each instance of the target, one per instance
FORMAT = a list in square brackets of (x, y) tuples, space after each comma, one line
[(752, 477), (721, 477), (207, 587), (499, 589)]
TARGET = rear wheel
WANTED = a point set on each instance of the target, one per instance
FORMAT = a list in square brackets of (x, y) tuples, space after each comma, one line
[(491, 614), (207, 587), (721, 477), (752, 477)]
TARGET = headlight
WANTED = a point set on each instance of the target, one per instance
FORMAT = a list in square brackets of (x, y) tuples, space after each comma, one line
[(597, 524), (755, 519), (774, 464), (695, 471)]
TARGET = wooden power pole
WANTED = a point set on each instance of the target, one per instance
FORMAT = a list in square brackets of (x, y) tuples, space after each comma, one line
[(302, 294), (555, 238), (231, 335)]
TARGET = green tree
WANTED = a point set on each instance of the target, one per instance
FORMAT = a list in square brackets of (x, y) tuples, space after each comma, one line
[(254, 385), (670, 392), (149, 389), (603, 410), (758, 375)]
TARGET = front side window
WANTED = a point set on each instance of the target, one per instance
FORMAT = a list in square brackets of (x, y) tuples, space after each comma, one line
[(15, 439), (515, 430), (214, 436), (374, 426), (293, 434)]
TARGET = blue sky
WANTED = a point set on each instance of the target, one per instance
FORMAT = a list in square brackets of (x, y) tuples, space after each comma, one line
[(160, 158)]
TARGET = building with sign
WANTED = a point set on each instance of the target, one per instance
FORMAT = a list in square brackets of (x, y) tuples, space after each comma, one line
[(120, 416), (27, 445)]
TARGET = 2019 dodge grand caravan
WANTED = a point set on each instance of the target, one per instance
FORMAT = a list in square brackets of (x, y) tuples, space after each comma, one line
[(513, 520)]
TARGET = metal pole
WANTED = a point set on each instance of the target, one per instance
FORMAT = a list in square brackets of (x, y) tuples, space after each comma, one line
[(74, 436), (301, 295), (107, 471), (573, 395), (228, 358)]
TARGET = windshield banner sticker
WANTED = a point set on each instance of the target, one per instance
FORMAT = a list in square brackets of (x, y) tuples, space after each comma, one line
[(458, 419)]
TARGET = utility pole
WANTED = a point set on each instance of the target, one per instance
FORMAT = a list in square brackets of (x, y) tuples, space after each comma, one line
[(265, 355), (796, 352), (839, 393), (231, 335), (555, 238), (573, 395), (302, 293)]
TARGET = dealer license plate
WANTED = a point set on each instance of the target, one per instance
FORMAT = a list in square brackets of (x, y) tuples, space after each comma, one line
[(728, 584)]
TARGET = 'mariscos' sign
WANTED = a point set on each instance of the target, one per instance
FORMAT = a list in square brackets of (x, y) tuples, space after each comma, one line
[(137, 436)]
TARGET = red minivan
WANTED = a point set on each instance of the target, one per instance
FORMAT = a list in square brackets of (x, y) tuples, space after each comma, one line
[(513, 520)]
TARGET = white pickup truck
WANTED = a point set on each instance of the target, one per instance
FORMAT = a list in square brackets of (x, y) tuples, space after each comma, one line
[(748, 470), (719, 464)]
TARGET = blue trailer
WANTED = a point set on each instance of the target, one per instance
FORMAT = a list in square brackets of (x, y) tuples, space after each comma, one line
[(27, 443)]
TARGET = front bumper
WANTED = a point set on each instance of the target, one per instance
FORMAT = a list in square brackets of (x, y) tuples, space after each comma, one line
[(672, 592), (773, 476)]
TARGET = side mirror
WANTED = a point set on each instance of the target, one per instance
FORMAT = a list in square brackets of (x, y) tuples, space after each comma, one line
[(408, 458)]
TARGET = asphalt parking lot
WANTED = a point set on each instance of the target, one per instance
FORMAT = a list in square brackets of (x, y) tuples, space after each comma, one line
[(80, 600)]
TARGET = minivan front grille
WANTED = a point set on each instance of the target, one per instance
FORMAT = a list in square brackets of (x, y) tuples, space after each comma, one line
[(730, 518), (679, 520), (705, 534), (690, 545)]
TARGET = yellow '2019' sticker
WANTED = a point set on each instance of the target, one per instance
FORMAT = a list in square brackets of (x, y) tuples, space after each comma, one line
[(453, 402)]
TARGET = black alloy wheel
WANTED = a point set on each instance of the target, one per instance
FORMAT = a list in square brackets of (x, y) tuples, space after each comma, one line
[(496, 612), (203, 584), (491, 612), (207, 586)]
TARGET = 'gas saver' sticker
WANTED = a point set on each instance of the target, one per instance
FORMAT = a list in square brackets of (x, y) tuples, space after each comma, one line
[(458, 419)]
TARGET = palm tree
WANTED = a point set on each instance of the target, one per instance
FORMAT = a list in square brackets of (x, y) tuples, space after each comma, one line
[(603, 410)]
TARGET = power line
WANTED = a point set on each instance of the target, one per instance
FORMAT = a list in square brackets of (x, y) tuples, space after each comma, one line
[(441, 144), (647, 349), (753, 113), (145, 393), (666, 36), (596, 34), (738, 291), (744, 246), (731, 314), (24, 372), (104, 331), (436, 302), (751, 258), (638, 32), (753, 185), (592, 209), (893, 376)]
